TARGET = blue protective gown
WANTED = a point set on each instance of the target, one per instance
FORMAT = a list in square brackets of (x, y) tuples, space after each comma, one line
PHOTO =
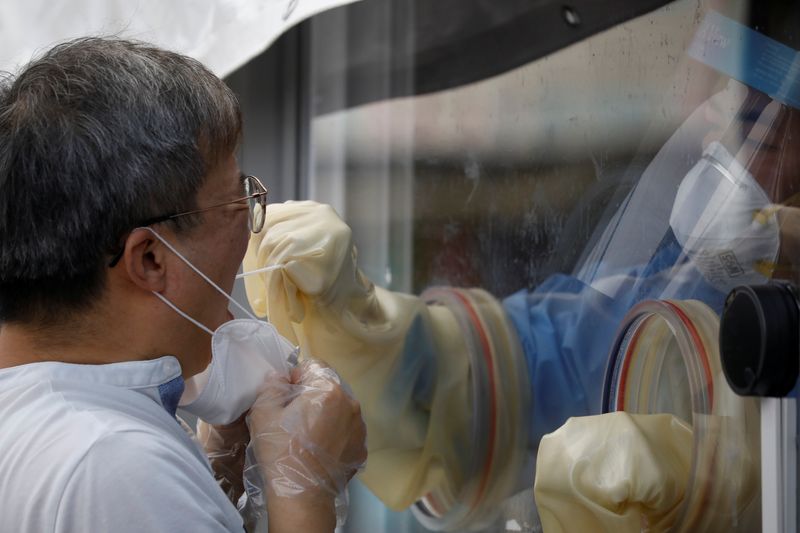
[(567, 327)]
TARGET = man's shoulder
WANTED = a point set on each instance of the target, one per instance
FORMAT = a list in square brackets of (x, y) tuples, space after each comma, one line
[(100, 460), (75, 414), (131, 481), (54, 429), (133, 455)]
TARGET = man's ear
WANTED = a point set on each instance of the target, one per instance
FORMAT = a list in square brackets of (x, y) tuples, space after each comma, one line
[(145, 260)]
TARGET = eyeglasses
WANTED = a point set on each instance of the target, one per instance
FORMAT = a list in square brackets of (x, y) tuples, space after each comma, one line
[(255, 196)]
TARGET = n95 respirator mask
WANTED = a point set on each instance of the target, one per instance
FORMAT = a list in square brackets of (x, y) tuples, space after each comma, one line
[(725, 222), (243, 353)]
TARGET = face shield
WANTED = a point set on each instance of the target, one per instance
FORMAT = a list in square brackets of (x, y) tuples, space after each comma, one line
[(729, 207), (729, 227), (723, 184)]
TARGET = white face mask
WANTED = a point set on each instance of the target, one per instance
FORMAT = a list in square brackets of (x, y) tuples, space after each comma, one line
[(243, 353), (725, 222)]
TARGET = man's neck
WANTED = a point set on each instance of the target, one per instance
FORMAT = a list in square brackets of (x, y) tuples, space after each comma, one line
[(15, 349), (87, 342), (101, 340)]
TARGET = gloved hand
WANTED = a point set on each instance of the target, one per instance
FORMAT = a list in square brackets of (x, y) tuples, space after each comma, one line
[(788, 267), (613, 472), (307, 440), (406, 361), (315, 247), (225, 448)]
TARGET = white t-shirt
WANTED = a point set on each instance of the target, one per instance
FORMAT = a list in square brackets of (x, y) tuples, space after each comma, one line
[(93, 448)]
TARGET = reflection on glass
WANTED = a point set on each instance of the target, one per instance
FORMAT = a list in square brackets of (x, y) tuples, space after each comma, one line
[(654, 161), (666, 360)]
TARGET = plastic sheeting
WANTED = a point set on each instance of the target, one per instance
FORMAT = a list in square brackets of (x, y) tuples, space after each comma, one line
[(222, 34)]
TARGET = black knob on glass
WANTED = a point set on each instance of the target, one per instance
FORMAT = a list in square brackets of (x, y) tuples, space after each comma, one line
[(759, 339)]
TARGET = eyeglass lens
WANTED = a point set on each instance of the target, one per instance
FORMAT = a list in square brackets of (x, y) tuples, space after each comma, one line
[(256, 204)]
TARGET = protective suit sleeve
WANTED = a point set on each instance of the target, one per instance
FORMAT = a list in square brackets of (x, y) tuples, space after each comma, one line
[(566, 329), (389, 347), (613, 472)]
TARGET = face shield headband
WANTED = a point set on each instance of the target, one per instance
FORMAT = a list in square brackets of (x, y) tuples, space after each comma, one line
[(748, 56)]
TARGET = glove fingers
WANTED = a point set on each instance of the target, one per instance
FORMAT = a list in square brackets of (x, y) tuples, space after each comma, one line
[(280, 212), (255, 285), (275, 393), (316, 374), (285, 303), (309, 264)]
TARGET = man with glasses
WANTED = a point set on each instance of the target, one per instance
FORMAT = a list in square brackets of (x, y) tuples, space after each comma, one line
[(255, 194), (120, 192)]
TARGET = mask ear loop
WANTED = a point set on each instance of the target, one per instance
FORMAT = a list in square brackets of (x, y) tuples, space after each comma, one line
[(184, 315), (197, 271)]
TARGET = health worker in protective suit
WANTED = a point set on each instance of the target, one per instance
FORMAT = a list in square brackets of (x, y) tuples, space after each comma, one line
[(729, 169), (732, 222)]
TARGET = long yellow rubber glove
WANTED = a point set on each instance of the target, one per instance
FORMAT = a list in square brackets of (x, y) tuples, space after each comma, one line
[(615, 472), (404, 360)]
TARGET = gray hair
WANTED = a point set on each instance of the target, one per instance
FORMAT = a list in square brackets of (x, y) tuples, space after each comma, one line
[(96, 136)]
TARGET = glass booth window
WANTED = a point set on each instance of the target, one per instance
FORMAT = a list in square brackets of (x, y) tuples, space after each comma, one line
[(503, 182), (557, 241)]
